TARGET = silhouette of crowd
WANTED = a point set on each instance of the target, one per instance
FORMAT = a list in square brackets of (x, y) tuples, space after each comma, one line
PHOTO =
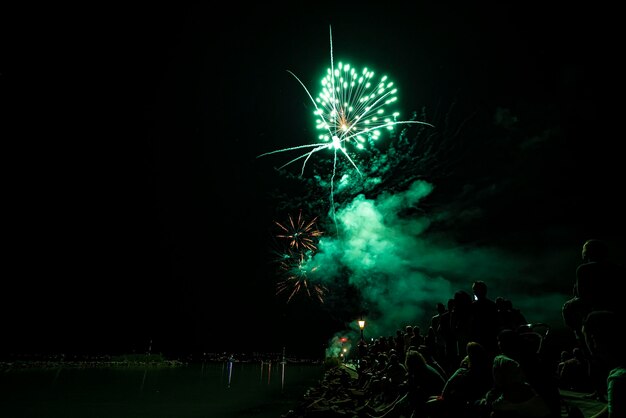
[(480, 358)]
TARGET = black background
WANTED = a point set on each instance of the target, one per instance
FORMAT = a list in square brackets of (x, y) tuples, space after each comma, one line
[(138, 209)]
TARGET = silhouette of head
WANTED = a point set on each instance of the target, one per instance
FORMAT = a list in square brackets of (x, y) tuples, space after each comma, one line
[(577, 353), (480, 289), (594, 250), (507, 372)]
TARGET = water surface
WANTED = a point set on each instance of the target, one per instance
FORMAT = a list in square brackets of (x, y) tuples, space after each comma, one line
[(211, 390)]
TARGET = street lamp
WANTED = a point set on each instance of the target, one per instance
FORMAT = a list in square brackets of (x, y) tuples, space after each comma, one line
[(361, 346), (361, 325)]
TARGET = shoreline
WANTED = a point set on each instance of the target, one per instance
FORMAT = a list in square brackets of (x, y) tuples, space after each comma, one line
[(337, 394)]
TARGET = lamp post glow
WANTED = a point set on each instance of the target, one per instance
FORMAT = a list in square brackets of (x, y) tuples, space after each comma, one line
[(361, 346), (361, 325)]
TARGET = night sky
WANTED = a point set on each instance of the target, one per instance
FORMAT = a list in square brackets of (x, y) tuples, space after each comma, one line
[(139, 210)]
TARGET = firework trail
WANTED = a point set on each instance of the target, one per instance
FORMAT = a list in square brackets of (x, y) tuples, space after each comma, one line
[(351, 112)]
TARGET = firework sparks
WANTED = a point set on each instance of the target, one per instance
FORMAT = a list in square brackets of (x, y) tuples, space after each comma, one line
[(298, 267), (350, 110), (300, 233)]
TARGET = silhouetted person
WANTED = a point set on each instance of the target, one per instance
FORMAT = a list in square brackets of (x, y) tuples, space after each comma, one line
[(595, 289), (417, 338), (536, 370), (432, 361), (603, 335), (396, 375), (434, 320), (408, 335), (484, 326), (573, 371), (512, 396), (440, 344), (423, 382), (450, 359), (465, 387), (430, 341), (508, 316), (461, 320), (399, 343), (595, 286)]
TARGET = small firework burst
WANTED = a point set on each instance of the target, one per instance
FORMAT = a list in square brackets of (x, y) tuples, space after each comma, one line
[(299, 271), (299, 233)]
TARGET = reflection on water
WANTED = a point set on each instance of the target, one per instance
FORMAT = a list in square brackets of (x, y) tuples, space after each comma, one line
[(230, 371), (268, 366), (224, 390), (143, 381)]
